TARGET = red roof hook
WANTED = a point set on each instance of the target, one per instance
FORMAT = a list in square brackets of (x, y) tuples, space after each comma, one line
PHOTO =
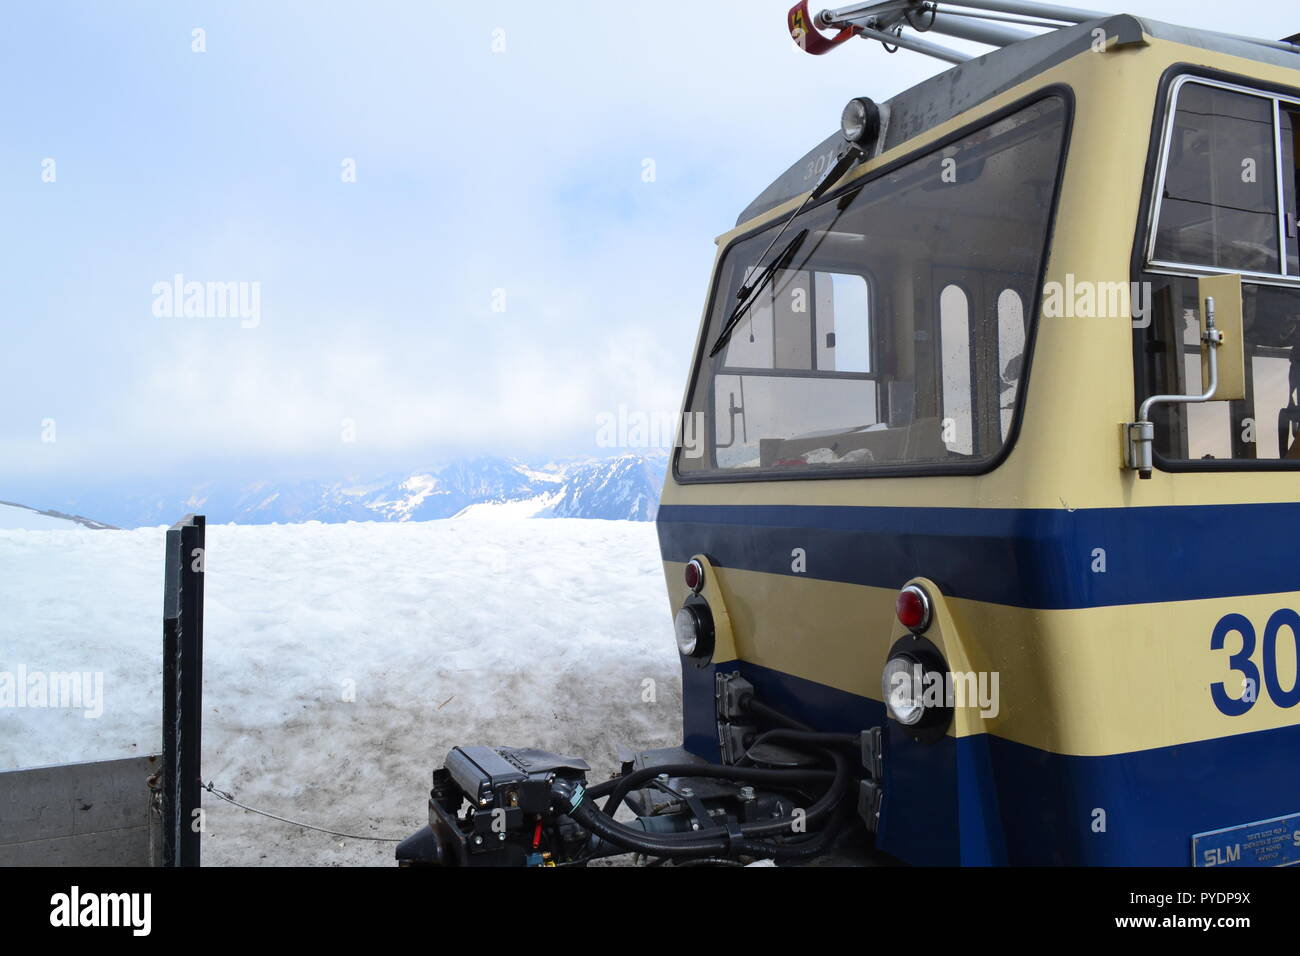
[(800, 23)]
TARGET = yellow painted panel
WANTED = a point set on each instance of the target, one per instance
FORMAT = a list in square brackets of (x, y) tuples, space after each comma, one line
[(1089, 681)]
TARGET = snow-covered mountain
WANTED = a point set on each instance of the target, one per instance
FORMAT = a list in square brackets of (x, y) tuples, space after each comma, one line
[(15, 517), (622, 488), (619, 488)]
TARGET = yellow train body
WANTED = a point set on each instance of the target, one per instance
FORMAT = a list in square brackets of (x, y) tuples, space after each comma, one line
[(1094, 598)]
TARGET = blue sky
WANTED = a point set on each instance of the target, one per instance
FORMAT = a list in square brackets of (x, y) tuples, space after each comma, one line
[(477, 170)]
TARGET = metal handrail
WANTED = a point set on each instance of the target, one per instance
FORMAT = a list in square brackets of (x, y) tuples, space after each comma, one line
[(978, 21)]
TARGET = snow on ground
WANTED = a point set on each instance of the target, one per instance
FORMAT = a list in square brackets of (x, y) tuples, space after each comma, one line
[(343, 661), (510, 510)]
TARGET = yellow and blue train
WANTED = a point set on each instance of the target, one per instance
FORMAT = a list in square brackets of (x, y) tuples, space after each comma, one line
[(983, 531)]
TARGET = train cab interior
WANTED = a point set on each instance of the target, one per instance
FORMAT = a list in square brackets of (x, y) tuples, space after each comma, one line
[(895, 334)]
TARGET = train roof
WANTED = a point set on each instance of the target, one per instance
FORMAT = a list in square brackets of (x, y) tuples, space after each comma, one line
[(965, 85)]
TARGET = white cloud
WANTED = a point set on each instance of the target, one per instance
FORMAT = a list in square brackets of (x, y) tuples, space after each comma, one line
[(476, 171)]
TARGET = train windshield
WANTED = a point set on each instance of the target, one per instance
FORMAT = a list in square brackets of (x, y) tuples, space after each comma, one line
[(895, 334)]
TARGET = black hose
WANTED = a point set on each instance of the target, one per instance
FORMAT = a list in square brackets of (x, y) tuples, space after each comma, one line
[(815, 845), (772, 715), (712, 840), (718, 840), (628, 782), (709, 861), (611, 831), (826, 804), (776, 777), (815, 738), (587, 815)]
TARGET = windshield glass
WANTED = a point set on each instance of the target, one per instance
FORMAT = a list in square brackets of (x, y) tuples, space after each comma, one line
[(896, 333)]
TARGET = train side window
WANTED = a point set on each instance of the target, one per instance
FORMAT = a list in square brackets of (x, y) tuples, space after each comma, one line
[(1011, 353), (1274, 399), (1289, 137), (754, 343), (1218, 206), (954, 344), (1263, 426), (806, 321), (1228, 202), (843, 309), (805, 331)]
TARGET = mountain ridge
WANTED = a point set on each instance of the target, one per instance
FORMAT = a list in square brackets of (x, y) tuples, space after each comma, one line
[(625, 487)]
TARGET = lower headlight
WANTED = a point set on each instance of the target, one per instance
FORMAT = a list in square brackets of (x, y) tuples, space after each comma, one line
[(903, 683), (694, 628), (687, 625)]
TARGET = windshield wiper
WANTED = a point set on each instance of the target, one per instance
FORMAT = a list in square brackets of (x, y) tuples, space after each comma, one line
[(747, 291)]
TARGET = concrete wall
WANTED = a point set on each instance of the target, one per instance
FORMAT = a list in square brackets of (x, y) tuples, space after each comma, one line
[(80, 814)]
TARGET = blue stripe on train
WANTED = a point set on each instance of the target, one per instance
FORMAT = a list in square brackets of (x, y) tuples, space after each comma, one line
[(983, 800), (1037, 558)]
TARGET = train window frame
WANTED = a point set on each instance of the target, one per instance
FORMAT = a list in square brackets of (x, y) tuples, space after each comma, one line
[(1058, 90), (1142, 267), (1166, 121)]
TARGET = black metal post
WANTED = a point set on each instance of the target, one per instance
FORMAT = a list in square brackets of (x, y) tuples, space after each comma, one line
[(183, 690)]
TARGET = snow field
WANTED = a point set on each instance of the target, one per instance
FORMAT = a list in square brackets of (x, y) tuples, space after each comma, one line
[(342, 661)]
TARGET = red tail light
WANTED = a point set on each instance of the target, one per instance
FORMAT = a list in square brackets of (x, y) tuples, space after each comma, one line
[(694, 575), (913, 608)]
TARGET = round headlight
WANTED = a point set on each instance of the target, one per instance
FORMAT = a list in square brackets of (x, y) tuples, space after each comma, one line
[(687, 626), (860, 120), (694, 628), (903, 685)]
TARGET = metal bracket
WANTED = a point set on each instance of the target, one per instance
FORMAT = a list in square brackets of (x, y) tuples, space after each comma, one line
[(873, 752), (734, 740), (731, 695), (990, 22), (870, 794)]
